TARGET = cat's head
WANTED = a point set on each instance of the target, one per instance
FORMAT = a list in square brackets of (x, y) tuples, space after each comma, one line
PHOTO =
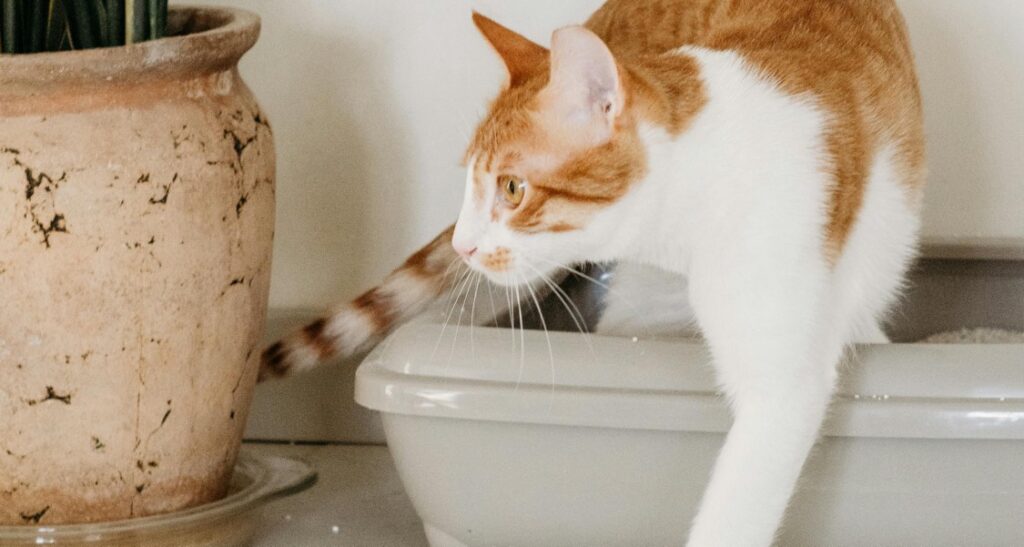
[(556, 152)]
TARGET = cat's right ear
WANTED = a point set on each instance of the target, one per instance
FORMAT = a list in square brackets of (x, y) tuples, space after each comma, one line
[(522, 57)]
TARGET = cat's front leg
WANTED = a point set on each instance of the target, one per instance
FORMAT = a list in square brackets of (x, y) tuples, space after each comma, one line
[(775, 349)]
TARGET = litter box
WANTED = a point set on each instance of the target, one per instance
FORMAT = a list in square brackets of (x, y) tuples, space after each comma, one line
[(610, 441)]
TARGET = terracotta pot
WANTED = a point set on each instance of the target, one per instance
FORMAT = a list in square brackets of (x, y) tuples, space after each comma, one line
[(136, 217)]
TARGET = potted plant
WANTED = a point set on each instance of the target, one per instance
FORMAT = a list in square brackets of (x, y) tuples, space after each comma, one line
[(136, 218)]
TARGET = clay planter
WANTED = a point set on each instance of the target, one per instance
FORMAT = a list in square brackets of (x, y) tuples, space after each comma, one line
[(136, 217)]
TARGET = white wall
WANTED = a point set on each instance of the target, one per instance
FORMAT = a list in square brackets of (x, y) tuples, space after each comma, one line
[(970, 57), (372, 104)]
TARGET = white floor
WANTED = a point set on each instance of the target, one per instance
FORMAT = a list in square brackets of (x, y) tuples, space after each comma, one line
[(357, 501)]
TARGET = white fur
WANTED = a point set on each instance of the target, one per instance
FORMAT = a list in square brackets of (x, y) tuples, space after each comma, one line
[(647, 301), (745, 189), (473, 217), (352, 329), (737, 205), (303, 357), (878, 253), (408, 291)]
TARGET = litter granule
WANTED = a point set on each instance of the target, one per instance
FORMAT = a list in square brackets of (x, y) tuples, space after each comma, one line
[(976, 336)]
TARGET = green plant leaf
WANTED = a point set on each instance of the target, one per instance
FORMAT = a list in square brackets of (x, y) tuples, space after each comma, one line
[(35, 34), (98, 15), (56, 25), (134, 21), (82, 26), (67, 42), (157, 11), (115, 21), (9, 32), (161, 17)]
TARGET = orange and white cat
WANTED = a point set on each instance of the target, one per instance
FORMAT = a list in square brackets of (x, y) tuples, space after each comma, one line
[(768, 153)]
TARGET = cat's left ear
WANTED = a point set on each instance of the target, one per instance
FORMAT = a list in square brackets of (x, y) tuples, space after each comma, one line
[(584, 86), (522, 57)]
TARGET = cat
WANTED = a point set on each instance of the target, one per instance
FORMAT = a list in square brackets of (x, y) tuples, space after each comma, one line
[(768, 154)]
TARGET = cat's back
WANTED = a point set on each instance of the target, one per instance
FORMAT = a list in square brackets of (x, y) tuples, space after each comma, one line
[(810, 27), (803, 44), (831, 48)]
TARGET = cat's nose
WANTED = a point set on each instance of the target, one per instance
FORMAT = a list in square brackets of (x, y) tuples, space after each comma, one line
[(465, 251), (465, 239)]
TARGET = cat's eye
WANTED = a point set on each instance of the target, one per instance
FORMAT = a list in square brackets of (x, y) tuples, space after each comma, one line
[(512, 189)]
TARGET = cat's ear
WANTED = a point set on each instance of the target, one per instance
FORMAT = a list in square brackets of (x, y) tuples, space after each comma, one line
[(584, 87), (522, 57)]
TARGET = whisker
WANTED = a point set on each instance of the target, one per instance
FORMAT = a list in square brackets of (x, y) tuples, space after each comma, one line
[(459, 278), (543, 323), (563, 297), (611, 291), (454, 262), (458, 322), (574, 312), (472, 317), (522, 340), (511, 315), (457, 290), (573, 271), (458, 263), (490, 296)]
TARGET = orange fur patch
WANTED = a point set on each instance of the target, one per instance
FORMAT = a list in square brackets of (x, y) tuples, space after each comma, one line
[(521, 56), (433, 259), (497, 261), (378, 307)]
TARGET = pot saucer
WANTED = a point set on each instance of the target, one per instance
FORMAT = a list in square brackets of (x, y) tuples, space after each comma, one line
[(231, 521)]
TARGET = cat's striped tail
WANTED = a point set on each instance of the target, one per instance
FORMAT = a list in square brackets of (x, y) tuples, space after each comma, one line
[(356, 326)]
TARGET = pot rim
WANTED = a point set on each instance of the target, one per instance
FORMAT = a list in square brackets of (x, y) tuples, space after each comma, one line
[(204, 39)]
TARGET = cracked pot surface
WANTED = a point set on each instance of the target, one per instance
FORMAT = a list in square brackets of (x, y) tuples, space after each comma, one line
[(137, 207)]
